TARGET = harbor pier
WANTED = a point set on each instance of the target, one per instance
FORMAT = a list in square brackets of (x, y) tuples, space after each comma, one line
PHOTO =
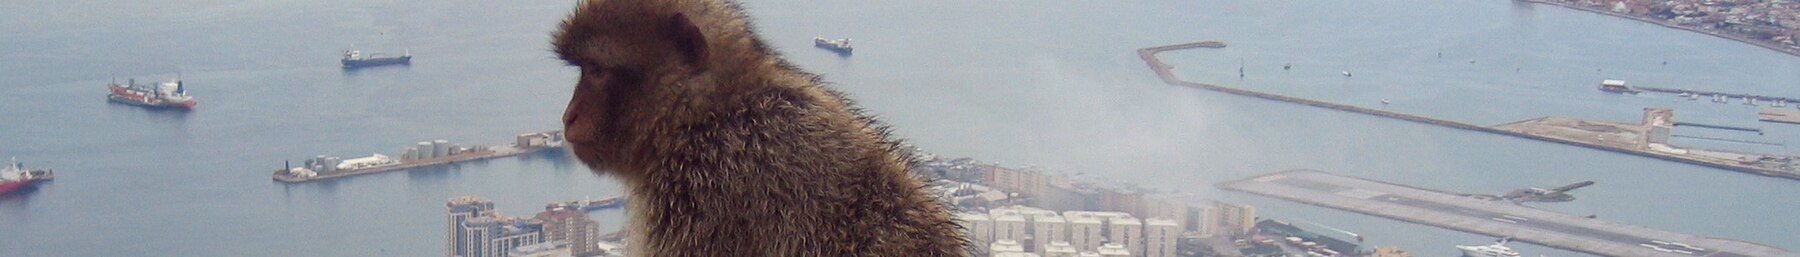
[(426, 154), (1492, 218)]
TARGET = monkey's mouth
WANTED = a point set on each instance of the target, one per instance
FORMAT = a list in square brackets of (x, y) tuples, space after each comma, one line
[(588, 154)]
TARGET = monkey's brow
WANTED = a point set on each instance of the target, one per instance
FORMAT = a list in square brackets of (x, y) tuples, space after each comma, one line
[(568, 61)]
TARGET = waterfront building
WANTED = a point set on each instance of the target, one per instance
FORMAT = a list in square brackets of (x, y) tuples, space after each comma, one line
[(495, 235), (1206, 222), (461, 209), (476, 230), (572, 226), (1025, 182), (1235, 219), (1167, 207), (1067, 195)]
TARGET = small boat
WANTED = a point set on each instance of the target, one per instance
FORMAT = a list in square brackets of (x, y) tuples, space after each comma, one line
[(1384, 101), (1494, 250), (1346, 74)]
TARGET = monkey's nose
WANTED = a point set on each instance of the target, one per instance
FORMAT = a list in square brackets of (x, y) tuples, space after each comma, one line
[(576, 130)]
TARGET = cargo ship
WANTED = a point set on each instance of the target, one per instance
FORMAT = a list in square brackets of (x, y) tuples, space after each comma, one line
[(356, 59), (15, 176), (172, 94), (424, 154), (839, 46)]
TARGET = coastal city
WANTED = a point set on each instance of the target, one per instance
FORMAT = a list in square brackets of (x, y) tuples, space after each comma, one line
[(1006, 212), (1495, 128), (1774, 24), (1013, 212)]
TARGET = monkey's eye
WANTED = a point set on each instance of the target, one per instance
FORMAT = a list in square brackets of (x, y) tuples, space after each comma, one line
[(592, 70)]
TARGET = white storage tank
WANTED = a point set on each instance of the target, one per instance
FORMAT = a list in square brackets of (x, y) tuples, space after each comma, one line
[(440, 148), (424, 149)]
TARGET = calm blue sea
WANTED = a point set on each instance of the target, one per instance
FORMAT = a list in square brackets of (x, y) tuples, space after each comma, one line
[(1055, 85)]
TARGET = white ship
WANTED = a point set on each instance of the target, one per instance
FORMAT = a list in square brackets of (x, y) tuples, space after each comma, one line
[(840, 46), (1498, 249)]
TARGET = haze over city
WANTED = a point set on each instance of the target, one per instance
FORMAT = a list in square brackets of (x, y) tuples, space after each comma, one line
[(1170, 128)]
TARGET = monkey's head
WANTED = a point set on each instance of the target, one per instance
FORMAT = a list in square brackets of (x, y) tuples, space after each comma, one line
[(646, 66)]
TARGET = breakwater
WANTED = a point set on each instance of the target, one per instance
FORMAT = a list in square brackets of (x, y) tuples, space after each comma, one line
[(1163, 71)]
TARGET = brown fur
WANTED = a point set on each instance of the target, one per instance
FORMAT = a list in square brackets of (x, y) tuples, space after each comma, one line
[(729, 151)]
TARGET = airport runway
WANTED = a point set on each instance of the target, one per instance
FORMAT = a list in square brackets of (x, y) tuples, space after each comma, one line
[(1494, 218)]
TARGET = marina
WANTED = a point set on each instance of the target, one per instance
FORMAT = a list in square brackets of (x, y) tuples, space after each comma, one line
[(1497, 219), (1619, 86), (425, 154)]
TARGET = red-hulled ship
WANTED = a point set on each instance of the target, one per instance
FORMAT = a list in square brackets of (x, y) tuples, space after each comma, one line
[(172, 94), (15, 176)]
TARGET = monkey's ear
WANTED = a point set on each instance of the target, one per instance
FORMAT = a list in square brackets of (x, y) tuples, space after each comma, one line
[(687, 38)]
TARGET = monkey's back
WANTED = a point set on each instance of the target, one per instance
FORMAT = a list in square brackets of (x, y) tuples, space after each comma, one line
[(794, 172)]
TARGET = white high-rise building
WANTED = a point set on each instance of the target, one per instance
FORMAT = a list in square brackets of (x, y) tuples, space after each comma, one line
[(461, 209), (1048, 227), (1127, 232), (1008, 225), (1160, 237), (1085, 230), (979, 227)]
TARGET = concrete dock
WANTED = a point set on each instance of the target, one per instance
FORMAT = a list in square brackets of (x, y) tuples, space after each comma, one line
[(1778, 115), (551, 140), (1493, 218)]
